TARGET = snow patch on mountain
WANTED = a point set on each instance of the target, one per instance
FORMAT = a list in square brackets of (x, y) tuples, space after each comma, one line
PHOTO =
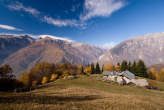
[(55, 38)]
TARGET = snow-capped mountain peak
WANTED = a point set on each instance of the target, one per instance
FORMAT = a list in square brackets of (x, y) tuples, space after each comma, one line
[(55, 38)]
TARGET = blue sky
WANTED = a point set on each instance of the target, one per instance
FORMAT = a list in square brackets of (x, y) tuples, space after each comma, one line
[(97, 22)]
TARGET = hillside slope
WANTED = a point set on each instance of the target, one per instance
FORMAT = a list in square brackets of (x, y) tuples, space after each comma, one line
[(84, 93)]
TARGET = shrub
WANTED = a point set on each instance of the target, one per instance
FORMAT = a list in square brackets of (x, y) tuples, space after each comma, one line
[(7, 79), (152, 83), (34, 83)]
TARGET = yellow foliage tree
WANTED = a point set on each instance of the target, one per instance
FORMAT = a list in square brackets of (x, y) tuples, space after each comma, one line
[(161, 75), (25, 79), (65, 73), (88, 70), (44, 80), (153, 74), (117, 68), (53, 77), (109, 67)]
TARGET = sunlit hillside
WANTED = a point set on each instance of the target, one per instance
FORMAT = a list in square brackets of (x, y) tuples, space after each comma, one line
[(84, 93)]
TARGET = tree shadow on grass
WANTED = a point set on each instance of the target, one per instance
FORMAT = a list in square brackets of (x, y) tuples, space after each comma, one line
[(45, 99)]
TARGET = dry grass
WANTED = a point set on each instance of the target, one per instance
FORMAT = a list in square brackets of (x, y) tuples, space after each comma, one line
[(84, 93)]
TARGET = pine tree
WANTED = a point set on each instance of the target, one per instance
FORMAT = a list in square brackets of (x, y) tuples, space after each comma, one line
[(82, 69), (98, 71), (102, 70), (141, 69), (133, 67), (129, 66), (92, 69), (118, 64), (124, 66)]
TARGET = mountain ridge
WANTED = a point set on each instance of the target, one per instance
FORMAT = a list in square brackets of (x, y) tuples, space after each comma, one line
[(149, 48), (52, 50)]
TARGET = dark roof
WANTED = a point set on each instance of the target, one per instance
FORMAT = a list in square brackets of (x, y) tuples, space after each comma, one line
[(128, 75)]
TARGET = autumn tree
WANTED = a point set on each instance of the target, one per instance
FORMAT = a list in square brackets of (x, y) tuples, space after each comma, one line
[(6, 72), (117, 68), (161, 75), (25, 79), (88, 70), (42, 69), (34, 83), (7, 78), (53, 77), (152, 74), (81, 68), (108, 67), (44, 80)]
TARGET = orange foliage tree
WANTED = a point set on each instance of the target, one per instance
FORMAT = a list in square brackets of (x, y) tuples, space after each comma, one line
[(44, 80), (109, 67), (53, 77)]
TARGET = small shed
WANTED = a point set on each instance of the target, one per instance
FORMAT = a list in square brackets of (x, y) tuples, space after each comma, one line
[(128, 74)]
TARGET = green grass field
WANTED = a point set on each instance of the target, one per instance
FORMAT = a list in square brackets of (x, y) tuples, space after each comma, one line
[(85, 93)]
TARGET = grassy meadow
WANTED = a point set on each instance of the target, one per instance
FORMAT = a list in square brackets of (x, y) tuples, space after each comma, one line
[(84, 93)]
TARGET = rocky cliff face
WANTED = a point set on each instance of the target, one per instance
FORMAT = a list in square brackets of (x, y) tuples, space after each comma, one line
[(11, 43), (149, 48)]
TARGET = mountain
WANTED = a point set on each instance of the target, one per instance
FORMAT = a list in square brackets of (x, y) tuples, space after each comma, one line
[(12, 43), (23, 52), (149, 48), (52, 50)]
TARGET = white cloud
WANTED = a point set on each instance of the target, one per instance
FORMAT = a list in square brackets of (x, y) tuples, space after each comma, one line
[(103, 8), (92, 8), (7, 27), (19, 6), (109, 45), (60, 23)]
